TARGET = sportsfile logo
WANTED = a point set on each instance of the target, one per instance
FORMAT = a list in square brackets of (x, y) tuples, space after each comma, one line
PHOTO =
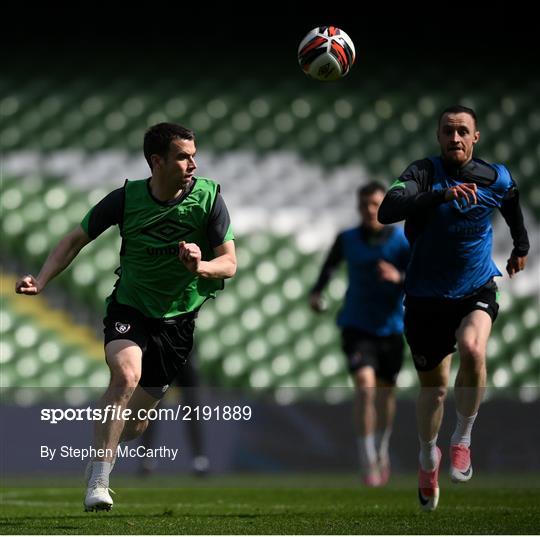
[(179, 413)]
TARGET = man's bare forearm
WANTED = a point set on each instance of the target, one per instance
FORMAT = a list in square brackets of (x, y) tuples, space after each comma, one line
[(223, 266), (61, 256)]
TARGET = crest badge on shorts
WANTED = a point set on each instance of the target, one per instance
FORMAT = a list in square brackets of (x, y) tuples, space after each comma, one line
[(122, 328)]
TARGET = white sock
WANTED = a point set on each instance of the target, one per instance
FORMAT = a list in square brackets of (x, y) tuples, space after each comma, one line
[(462, 432), (383, 443), (428, 454), (100, 472), (367, 451)]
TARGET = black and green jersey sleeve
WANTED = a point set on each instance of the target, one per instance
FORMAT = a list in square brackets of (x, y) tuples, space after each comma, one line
[(108, 212), (410, 193), (219, 223), (332, 261)]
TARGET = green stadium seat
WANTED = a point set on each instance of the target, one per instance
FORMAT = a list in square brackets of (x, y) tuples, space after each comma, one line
[(7, 351), (27, 367), (331, 365), (75, 365), (261, 377), (257, 349), (282, 365), (230, 334), (49, 351), (235, 366)]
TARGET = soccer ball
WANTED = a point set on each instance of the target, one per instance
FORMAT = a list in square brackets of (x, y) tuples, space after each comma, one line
[(326, 53)]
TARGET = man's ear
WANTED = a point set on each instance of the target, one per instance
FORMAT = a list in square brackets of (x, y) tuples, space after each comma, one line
[(156, 161)]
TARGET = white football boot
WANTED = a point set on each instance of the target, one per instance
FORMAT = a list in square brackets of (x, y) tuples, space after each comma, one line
[(98, 497)]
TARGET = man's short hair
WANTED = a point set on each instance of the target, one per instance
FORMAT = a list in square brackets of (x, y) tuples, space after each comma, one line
[(459, 109), (371, 188), (158, 138)]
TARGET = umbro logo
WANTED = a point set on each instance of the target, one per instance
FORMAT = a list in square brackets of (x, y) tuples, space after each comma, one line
[(122, 328), (325, 70), (168, 230)]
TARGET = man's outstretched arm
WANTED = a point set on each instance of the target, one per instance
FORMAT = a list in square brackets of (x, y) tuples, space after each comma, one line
[(332, 261), (59, 258)]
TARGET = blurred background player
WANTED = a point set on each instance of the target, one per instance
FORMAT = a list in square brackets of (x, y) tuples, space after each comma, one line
[(163, 281), (451, 296), (187, 387), (371, 322)]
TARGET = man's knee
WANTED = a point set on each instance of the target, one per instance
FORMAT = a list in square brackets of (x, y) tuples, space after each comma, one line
[(365, 395), (124, 359), (125, 378), (364, 379), (440, 393), (435, 394), (472, 355)]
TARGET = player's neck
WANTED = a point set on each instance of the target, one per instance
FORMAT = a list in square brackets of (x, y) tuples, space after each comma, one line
[(453, 165), (372, 229), (163, 191)]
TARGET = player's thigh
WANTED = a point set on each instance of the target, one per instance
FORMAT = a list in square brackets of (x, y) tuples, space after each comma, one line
[(125, 337), (430, 332), (124, 358), (390, 354), (166, 354), (364, 377), (188, 374), (359, 350), (473, 333)]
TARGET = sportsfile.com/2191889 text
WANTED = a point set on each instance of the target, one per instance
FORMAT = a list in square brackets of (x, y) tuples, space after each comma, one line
[(180, 412)]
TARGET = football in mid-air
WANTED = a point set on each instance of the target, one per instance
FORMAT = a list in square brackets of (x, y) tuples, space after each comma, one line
[(326, 53)]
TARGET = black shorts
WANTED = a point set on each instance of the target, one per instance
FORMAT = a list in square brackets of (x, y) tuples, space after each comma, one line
[(165, 343), (383, 353), (431, 323)]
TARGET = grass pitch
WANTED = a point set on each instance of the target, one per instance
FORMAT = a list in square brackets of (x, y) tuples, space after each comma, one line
[(272, 505)]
